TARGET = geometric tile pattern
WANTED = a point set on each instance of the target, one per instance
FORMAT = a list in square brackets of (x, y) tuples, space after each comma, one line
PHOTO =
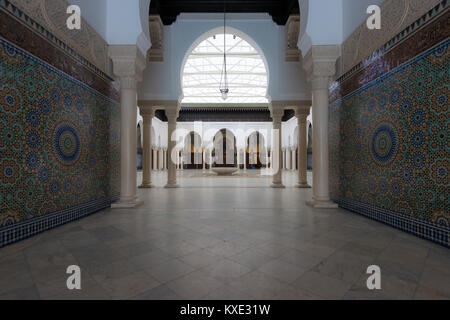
[(390, 144), (59, 146)]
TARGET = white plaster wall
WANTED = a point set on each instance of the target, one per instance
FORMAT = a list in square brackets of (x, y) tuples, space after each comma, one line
[(355, 13), (325, 22), (127, 24), (321, 23), (288, 128), (162, 80), (160, 132), (95, 13), (330, 22), (117, 21)]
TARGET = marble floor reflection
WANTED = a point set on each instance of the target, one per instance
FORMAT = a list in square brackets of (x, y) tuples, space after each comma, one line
[(224, 238)]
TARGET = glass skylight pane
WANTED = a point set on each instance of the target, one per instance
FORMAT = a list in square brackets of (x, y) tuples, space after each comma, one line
[(247, 75)]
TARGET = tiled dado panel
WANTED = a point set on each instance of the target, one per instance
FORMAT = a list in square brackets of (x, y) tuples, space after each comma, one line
[(389, 139), (59, 146)]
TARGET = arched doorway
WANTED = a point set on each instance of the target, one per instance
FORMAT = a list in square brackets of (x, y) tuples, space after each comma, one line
[(193, 151), (296, 148), (139, 146), (255, 151), (309, 150), (224, 149)]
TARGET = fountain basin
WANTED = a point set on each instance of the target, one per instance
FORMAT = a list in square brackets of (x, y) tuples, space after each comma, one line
[(224, 171)]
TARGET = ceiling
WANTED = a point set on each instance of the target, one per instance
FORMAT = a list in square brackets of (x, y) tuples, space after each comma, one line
[(278, 9)]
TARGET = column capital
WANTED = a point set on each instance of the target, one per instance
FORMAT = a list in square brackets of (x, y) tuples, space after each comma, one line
[(277, 110), (128, 64), (320, 83), (172, 110), (301, 116), (320, 65), (128, 82), (302, 111), (146, 112)]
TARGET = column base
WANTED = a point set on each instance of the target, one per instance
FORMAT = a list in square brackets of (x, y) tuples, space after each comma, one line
[(303, 186), (126, 204), (171, 186), (146, 186), (322, 204), (277, 186)]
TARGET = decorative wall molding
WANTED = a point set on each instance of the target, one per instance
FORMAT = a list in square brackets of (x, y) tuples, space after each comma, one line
[(24, 33), (320, 65), (128, 64), (156, 52), (397, 17), (427, 32), (51, 15), (292, 33)]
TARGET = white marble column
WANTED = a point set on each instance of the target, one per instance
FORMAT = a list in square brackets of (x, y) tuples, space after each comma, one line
[(277, 112), (128, 65), (302, 114), (210, 160), (320, 64), (147, 115), (158, 159), (288, 159), (164, 159), (293, 159), (204, 159), (153, 158), (245, 159), (172, 112)]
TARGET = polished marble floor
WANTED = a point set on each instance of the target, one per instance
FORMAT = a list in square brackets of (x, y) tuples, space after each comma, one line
[(224, 238)]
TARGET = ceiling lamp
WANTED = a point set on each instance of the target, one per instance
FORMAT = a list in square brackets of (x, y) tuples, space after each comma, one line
[(224, 90)]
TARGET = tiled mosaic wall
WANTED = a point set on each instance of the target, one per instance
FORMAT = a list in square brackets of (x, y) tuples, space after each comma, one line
[(390, 144), (59, 146)]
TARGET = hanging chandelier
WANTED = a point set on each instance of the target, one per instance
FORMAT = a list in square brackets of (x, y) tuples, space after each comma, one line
[(224, 90)]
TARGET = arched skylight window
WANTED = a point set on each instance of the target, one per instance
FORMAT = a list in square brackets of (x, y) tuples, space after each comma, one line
[(247, 76)]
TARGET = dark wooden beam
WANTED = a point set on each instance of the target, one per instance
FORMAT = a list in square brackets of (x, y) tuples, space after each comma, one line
[(278, 9), (215, 114)]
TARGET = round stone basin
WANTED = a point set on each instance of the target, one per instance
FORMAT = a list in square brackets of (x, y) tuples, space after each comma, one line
[(224, 171)]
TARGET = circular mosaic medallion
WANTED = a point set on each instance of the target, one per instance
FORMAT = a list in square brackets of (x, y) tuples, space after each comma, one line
[(66, 143), (383, 145)]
